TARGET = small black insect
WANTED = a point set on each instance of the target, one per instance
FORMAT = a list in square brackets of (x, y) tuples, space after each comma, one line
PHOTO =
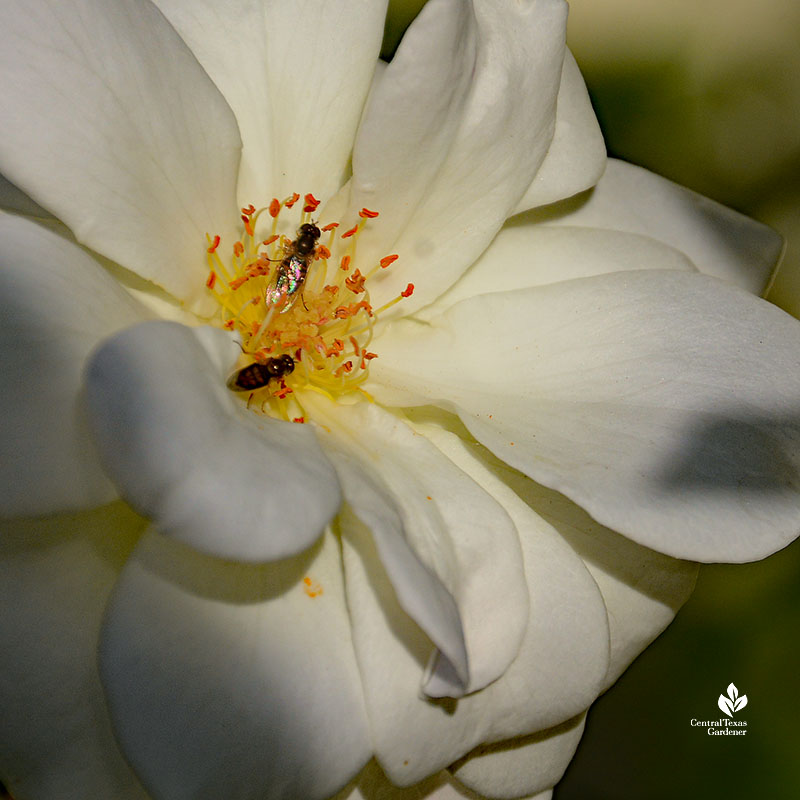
[(257, 376), (292, 271)]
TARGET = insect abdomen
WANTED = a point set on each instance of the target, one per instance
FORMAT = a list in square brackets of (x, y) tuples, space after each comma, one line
[(257, 376)]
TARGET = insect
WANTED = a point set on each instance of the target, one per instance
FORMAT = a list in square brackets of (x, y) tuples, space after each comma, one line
[(292, 271), (257, 376)]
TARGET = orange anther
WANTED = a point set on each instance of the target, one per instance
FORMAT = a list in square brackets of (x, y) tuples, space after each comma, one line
[(345, 265), (274, 207), (311, 203), (292, 200), (228, 324), (346, 367), (271, 239), (238, 248), (355, 282), (330, 226), (212, 279), (237, 282), (247, 224), (409, 290), (351, 232), (356, 348), (249, 210), (365, 213), (214, 245), (322, 252), (386, 260)]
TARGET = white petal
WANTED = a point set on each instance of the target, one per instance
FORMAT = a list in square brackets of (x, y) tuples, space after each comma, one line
[(667, 404), (184, 452), (468, 100), (55, 577), (524, 255), (426, 512), (234, 680), (642, 589), (372, 784), (111, 124), (57, 304), (296, 75), (521, 768), (577, 155), (15, 200), (558, 672), (719, 241)]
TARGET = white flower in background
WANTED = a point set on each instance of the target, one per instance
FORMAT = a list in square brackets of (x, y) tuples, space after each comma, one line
[(452, 618)]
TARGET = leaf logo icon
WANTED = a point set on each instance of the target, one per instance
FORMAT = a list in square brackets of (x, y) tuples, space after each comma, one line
[(733, 702)]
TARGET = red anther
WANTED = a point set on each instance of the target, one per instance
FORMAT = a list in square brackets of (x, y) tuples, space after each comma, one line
[(214, 245), (269, 241), (409, 290), (365, 213), (292, 200), (330, 226), (322, 252), (356, 348), (298, 354), (228, 324), (249, 210), (387, 260), (300, 420), (238, 248), (247, 224), (274, 207), (345, 265), (212, 279), (349, 233), (355, 282), (311, 203)]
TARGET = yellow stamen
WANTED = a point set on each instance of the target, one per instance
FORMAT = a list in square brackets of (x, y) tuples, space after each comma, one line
[(306, 325)]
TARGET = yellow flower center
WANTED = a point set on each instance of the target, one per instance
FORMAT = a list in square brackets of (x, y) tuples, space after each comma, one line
[(300, 305)]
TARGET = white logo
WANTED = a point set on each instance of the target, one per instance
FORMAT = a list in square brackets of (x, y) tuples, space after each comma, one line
[(727, 725), (733, 702)]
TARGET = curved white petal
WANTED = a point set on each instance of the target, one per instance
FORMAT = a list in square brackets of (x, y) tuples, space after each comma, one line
[(558, 672), (296, 76), (372, 784), (185, 453), (468, 100), (13, 199), (57, 304), (111, 124), (667, 404), (642, 589), (55, 577), (577, 156), (436, 531), (522, 768), (719, 241), (234, 680), (524, 255)]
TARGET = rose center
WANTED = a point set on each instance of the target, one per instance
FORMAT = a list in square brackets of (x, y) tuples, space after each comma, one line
[(300, 305)]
